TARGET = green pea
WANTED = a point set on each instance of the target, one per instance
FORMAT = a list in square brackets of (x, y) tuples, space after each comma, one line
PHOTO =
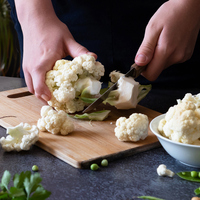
[(194, 174), (199, 174), (35, 168), (104, 163), (94, 166), (183, 173)]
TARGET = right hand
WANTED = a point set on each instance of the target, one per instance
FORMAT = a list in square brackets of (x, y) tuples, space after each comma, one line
[(170, 37)]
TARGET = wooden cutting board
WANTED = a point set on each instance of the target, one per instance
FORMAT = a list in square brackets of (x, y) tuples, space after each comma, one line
[(89, 143)]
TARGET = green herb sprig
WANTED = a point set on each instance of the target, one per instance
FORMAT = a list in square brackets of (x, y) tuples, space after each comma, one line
[(26, 186)]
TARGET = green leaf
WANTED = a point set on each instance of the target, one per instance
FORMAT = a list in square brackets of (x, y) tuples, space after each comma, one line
[(96, 116), (143, 91), (32, 183), (187, 176), (88, 100), (40, 194), (112, 98), (18, 180), (4, 196), (20, 198), (149, 197), (17, 192), (5, 180), (197, 191)]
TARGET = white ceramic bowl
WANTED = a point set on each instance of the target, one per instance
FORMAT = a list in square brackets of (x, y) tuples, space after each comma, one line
[(185, 153)]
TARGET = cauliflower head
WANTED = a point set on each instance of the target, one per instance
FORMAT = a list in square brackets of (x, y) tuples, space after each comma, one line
[(21, 137), (54, 121), (134, 128), (182, 121), (65, 78)]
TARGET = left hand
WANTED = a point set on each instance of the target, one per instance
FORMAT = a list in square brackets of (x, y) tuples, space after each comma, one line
[(170, 37)]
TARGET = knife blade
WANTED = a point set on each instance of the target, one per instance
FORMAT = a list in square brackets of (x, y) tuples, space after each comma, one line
[(134, 72)]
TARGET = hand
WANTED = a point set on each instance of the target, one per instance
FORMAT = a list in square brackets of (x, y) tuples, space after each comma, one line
[(42, 47), (46, 40), (170, 37)]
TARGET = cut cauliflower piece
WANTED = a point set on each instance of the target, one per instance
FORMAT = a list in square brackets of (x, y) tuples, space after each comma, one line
[(21, 137), (54, 121), (128, 93), (134, 128), (65, 78), (128, 90), (182, 121), (87, 86)]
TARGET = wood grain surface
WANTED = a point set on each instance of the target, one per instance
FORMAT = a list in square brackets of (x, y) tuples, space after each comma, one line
[(90, 142)]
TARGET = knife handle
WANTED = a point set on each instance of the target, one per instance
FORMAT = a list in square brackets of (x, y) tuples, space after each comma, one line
[(138, 69)]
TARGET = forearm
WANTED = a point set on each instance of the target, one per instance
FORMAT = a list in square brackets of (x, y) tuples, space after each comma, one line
[(34, 11), (190, 8)]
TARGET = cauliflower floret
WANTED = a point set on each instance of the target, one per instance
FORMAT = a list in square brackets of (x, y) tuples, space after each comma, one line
[(134, 128), (163, 171), (90, 66), (115, 76), (62, 82), (54, 121), (182, 121), (192, 98), (21, 137)]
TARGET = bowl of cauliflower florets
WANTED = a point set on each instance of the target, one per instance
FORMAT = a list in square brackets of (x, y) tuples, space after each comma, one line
[(179, 130)]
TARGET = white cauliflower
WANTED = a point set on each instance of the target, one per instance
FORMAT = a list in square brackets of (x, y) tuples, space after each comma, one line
[(66, 79), (134, 128), (54, 121), (21, 137), (163, 171), (182, 121)]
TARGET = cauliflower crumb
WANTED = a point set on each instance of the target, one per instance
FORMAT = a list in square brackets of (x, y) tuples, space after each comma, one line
[(54, 121), (21, 137), (182, 121), (134, 128), (163, 171)]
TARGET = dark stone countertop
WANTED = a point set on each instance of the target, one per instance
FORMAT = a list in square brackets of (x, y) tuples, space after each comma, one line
[(121, 180)]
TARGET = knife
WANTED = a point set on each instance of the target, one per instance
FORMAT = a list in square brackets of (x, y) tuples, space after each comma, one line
[(134, 72)]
